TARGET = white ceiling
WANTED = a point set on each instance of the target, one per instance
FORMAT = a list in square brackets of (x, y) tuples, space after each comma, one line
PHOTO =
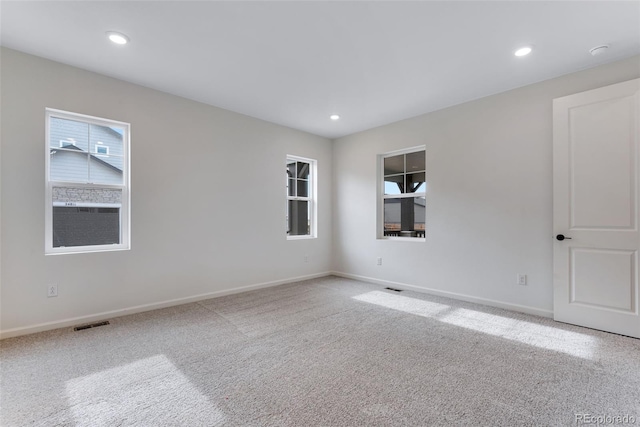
[(295, 63)]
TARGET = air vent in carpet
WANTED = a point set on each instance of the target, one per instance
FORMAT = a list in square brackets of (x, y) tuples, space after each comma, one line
[(394, 289), (91, 325)]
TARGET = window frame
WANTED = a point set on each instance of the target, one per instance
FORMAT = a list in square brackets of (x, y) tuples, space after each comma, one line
[(381, 196), (98, 153), (125, 187), (311, 199)]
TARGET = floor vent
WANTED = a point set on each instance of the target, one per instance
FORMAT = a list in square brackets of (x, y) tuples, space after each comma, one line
[(91, 325), (394, 289)]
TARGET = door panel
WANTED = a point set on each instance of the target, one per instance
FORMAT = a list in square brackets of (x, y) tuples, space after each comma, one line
[(595, 192), (602, 169), (592, 267)]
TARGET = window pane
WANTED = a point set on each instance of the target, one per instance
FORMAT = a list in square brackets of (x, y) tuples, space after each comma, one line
[(109, 138), (298, 220), (416, 161), (303, 188), (68, 134), (393, 184), (291, 188), (65, 165), (404, 217), (105, 170), (72, 142), (392, 217), (303, 170), (291, 169), (394, 165), (415, 182), (85, 226), (419, 216)]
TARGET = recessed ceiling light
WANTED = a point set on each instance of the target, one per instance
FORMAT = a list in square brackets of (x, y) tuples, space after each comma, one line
[(117, 38), (334, 117), (523, 51)]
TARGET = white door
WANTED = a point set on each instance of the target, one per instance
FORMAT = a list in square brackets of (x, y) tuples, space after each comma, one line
[(595, 206)]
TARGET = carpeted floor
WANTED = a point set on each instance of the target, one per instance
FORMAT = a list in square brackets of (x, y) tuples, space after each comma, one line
[(326, 352)]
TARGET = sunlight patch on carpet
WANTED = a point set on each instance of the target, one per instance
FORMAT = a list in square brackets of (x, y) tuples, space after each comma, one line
[(149, 391), (546, 337)]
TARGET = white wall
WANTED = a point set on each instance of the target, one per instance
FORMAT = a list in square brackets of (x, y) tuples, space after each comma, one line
[(208, 199), (489, 199)]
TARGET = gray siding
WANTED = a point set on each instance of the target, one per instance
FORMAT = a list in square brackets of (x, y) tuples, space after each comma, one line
[(73, 166)]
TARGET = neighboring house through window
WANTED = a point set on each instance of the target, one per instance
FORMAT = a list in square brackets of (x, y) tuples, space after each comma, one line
[(301, 198), (87, 205), (402, 211)]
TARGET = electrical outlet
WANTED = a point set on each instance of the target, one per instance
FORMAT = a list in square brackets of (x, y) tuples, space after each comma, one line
[(522, 279), (306, 258), (379, 261), (52, 290)]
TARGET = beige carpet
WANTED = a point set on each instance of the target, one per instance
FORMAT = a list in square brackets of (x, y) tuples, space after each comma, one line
[(327, 352)]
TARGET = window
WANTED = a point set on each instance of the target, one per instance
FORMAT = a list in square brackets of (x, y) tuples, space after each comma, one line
[(102, 149), (87, 197), (65, 142), (402, 211), (301, 202)]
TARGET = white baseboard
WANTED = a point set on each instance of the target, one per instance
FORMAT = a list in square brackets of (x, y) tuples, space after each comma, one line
[(462, 297), (74, 321)]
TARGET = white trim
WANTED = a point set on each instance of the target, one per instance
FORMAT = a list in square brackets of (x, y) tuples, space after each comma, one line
[(462, 297), (72, 184), (85, 205), (41, 327), (405, 239), (72, 250), (62, 114), (405, 151), (301, 237)]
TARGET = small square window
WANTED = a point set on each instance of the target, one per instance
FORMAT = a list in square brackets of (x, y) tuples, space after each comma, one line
[(102, 149)]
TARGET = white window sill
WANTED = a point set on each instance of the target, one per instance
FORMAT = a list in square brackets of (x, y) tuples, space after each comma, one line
[(403, 239), (305, 237), (88, 250)]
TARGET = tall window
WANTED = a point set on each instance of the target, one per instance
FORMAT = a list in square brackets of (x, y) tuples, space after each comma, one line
[(403, 202), (87, 197), (301, 199)]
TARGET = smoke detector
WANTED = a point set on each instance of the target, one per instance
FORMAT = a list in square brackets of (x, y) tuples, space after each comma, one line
[(595, 51)]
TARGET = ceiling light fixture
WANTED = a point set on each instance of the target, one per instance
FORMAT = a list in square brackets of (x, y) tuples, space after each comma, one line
[(117, 38), (334, 117), (523, 51)]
